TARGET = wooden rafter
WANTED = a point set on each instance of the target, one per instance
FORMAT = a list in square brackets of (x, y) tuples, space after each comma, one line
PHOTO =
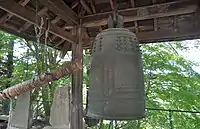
[(86, 7), (8, 16), (111, 4), (164, 35), (89, 11), (144, 13), (155, 20), (132, 3), (55, 20), (136, 27), (160, 22), (135, 22), (29, 16), (160, 36), (175, 24), (94, 11), (93, 6), (24, 27), (74, 4), (60, 42), (62, 10), (28, 24), (13, 30)]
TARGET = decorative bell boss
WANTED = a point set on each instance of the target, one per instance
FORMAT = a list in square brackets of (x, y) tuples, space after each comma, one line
[(116, 83)]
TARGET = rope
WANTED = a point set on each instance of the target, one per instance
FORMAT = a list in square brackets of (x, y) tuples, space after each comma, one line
[(41, 80), (47, 32), (45, 47), (38, 27)]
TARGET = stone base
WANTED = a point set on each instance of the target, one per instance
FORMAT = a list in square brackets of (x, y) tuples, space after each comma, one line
[(50, 127), (10, 127)]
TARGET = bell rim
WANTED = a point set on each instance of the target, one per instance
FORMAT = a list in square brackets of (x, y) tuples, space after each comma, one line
[(115, 117)]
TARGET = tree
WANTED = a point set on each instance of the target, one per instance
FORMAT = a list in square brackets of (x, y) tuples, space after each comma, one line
[(171, 83), (6, 63)]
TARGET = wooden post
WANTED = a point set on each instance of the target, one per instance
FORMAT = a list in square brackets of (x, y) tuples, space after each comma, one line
[(77, 77)]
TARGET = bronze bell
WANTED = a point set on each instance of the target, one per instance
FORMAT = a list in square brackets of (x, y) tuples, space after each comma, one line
[(116, 79)]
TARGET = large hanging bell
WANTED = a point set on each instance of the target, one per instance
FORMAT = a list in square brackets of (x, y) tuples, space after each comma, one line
[(116, 77)]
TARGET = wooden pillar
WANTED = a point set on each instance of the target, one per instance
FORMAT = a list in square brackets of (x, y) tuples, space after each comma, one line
[(77, 77)]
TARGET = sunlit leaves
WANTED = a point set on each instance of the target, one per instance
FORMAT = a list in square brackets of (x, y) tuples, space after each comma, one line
[(170, 81)]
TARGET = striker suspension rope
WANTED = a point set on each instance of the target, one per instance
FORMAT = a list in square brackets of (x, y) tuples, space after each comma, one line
[(45, 47), (38, 27)]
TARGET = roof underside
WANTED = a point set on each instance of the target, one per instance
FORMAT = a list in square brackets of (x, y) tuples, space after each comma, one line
[(151, 20)]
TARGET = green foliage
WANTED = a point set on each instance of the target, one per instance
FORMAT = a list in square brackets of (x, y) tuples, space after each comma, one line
[(171, 82)]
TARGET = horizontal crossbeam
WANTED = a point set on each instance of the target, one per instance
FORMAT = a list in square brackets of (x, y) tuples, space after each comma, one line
[(29, 16), (144, 13)]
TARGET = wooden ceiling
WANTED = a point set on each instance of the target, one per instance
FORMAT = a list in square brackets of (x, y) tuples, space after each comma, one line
[(151, 20)]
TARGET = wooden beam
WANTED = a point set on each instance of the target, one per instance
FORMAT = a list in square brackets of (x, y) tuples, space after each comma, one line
[(24, 27), (65, 48), (154, 1), (23, 2), (93, 6), (77, 84), (143, 13), (89, 11), (111, 4), (85, 34), (29, 16), (62, 10), (161, 36), (59, 43), (175, 24), (8, 16), (55, 20), (74, 4), (155, 24), (81, 11), (164, 35), (136, 27), (94, 11), (132, 3), (86, 7), (155, 20), (54, 36), (12, 30), (28, 24)]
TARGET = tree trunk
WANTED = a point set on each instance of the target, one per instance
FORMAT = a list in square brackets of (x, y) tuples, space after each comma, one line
[(9, 74)]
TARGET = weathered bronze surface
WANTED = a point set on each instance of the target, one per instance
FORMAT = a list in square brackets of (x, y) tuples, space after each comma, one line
[(116, 77)]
